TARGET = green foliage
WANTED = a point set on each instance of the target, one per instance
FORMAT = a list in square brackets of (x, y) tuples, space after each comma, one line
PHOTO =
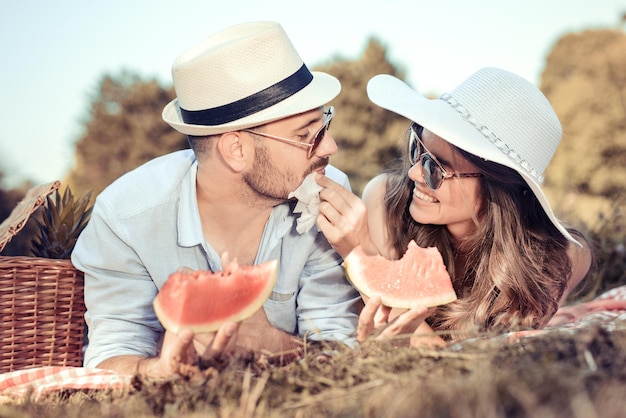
[(124, 129), (368, 137), (580, 372), (609, 243), (585, 81), (21, 243), (62, 221)]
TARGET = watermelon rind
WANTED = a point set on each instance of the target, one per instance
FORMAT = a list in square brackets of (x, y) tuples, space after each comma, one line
[(169, 307), (419, 278)]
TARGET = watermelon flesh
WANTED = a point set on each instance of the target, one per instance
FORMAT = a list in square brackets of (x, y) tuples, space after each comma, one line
[(202, 300), (419, 278)]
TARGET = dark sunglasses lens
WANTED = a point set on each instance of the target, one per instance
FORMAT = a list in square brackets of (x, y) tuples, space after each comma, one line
[(432, 173), (414, 148), (318, 138)]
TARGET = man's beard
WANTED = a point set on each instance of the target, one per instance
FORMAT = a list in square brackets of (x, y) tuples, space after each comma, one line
[(266, 181)]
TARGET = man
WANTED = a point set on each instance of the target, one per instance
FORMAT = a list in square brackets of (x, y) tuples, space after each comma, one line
[(257, 127)]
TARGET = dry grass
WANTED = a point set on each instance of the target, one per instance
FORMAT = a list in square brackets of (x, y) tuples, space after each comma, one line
[(578, 373)]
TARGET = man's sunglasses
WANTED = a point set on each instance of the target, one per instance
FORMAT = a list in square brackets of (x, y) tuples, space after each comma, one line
[(434, 174), (313, 143)]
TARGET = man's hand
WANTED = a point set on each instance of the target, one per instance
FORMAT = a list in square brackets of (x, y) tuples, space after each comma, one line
[(258, 334), (178, 355), (254, 334), (213, 345), (180, 352)]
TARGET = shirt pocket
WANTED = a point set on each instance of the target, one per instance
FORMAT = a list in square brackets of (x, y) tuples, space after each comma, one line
[(280, 309), (281, 297)]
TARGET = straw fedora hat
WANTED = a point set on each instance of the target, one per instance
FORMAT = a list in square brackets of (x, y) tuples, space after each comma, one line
[(243, 76), (493, 114)]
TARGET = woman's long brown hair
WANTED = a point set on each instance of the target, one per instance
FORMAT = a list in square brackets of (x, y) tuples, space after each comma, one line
[(517, 266)]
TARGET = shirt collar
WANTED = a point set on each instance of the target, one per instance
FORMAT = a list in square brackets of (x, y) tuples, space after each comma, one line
[(190, 226)]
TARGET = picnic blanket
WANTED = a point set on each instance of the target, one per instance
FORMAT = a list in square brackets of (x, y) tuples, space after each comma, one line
[(608, 310), (41, 381)]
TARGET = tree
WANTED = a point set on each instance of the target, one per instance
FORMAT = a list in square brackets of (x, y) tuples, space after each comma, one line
[(9, 199), (368, 137), (122, 130), (584, 79), (124, 127)]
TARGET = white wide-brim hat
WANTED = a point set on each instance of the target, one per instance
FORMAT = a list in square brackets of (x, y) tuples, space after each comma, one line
[(494, 114), (243, 76)]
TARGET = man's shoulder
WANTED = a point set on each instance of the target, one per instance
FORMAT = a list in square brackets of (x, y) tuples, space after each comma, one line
[(167, 167), (150, 183)]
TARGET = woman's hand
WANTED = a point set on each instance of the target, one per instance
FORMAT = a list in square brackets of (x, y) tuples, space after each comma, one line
[(343, 218), (375, 320)]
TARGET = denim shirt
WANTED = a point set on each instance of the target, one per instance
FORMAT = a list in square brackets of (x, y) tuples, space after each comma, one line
[(146, 225)]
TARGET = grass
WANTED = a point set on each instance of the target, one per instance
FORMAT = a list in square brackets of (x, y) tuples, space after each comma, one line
[(608, 242), (578, 373), (574, 373)]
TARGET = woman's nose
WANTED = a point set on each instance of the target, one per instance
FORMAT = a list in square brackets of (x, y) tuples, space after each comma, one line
[(416, 173)]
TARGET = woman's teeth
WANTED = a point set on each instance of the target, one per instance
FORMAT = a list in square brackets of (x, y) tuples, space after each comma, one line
[(424, 197)]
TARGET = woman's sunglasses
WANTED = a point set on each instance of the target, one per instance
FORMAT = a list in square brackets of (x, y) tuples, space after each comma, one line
[(317, 138), (434, 174)]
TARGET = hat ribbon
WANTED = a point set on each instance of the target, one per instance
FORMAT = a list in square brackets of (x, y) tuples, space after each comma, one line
[(252, 104), (495, 140)]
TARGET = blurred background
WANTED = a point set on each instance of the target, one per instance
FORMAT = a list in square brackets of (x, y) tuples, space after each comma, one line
[(83, 86)]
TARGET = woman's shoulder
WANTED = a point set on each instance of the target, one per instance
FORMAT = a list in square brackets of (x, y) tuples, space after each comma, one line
[(374, 199), (375, 189), (582, 260)]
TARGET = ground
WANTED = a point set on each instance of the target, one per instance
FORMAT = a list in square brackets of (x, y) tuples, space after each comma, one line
[(578, 372)]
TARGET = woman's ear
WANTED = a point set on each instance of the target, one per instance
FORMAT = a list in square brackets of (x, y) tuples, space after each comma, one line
[(230, 146)]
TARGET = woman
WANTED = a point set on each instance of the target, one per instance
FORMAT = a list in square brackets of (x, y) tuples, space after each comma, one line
[(475, 164)]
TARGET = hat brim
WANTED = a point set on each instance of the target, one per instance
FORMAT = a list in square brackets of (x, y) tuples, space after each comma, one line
[(321, 90), (444, 121)]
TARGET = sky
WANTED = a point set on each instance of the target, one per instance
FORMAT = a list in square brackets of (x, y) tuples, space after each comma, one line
[(54, 53)]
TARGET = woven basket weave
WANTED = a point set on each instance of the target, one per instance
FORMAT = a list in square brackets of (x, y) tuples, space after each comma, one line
[(41, 300)]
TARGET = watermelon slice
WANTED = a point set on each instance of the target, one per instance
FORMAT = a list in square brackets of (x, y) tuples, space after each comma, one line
[(419, 278), (202, 301)]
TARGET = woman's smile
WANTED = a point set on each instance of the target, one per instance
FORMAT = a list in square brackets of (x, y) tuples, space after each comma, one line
[(423, 197)]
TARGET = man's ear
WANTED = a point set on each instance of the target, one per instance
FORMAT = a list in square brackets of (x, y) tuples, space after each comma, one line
[(230, 146)]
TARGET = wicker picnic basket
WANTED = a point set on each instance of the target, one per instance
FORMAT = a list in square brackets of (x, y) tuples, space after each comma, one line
[(41, 300)]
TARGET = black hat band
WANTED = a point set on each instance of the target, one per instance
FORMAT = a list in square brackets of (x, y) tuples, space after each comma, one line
[(252, 104)]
